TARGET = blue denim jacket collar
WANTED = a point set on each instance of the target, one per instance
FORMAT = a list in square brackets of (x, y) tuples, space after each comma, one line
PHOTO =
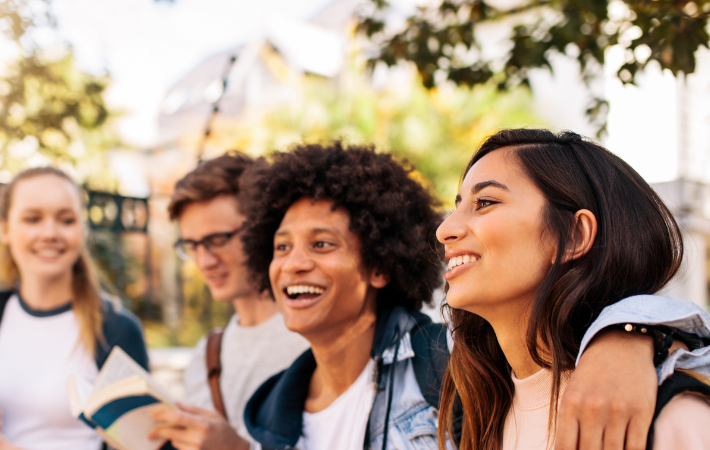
[(274, 414)]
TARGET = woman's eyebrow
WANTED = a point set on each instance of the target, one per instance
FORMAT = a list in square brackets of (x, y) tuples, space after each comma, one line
[(484, 184)]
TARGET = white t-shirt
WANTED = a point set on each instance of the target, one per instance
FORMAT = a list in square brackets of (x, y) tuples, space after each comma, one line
[(341, 425), (38, 351), (249, 356)]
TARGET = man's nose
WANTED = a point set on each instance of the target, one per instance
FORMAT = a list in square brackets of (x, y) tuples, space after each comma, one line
[(204, 258), (297, 261)]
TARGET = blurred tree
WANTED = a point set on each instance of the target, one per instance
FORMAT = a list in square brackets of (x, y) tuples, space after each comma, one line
[(437, 130), (50, 111), (445, 42)]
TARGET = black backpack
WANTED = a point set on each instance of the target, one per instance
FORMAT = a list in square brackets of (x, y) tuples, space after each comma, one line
[(676, 384), (431, 357)]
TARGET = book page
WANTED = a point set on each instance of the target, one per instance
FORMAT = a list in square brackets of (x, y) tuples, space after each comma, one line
[(78, 390), (118, 367)]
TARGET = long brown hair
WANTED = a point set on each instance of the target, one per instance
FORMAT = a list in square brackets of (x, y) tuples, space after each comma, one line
[(637, 250), (86, 302)]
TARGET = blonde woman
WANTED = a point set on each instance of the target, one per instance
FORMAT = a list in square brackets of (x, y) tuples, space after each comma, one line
[(53, 320)]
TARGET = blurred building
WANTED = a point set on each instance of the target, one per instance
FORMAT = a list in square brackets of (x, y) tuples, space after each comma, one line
[(661, 127)]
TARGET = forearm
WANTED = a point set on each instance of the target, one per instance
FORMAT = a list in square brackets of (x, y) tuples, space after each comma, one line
[(652, 310)]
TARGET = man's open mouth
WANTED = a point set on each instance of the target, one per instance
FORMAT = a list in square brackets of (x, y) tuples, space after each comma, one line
[(303, 291)]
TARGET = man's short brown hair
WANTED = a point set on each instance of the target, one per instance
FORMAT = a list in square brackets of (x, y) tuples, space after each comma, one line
[(211, 178)]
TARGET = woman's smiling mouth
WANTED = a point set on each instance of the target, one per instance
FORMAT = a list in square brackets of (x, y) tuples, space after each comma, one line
[(48, 253), (459, 264)]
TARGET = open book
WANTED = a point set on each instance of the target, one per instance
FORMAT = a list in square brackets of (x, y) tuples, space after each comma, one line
[(120, 404)]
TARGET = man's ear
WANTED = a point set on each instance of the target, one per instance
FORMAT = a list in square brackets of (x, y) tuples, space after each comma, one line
[(584, 234), (378, 280)]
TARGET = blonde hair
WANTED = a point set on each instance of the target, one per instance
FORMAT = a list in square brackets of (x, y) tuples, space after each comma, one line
[(86, 302)]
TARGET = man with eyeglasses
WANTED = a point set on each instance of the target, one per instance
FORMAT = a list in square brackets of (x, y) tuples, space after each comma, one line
[(254, 345)]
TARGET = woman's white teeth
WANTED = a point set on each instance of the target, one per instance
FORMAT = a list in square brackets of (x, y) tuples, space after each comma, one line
[(303, 289), (458, 260), (48, 253)]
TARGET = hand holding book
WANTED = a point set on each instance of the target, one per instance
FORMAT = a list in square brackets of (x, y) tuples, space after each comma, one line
[(191, 428), (120, 404)]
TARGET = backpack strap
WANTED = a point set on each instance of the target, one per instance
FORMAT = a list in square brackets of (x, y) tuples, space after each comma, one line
[(4, 297), (676, 384), (431, 357), (214, 368)]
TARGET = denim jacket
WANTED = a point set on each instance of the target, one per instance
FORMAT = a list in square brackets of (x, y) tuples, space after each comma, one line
[(412, 420), (658, 310), (274, 414)]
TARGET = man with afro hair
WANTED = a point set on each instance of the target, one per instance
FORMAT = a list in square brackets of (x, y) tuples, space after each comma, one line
[(344, 238)]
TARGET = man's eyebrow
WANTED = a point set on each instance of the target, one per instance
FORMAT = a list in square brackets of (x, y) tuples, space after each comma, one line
[(484, 184), (311, 231), (326, 230)]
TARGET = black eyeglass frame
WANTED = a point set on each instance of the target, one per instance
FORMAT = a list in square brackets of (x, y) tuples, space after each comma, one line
[(205, 242)]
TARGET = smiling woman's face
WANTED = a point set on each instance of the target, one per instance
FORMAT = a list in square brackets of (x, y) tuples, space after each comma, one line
[(44, 229), (497, 249)]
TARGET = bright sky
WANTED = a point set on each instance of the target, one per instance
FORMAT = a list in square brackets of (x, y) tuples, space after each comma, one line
[(147, 45)]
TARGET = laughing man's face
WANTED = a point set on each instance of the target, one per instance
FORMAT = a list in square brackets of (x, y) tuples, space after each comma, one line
[(316, 273)]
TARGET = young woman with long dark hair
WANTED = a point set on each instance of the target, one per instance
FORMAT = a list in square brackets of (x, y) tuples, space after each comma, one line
[(54, 319), (548, 230)]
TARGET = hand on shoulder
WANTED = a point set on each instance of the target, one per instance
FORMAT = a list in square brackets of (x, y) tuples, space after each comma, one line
[(610, 398)]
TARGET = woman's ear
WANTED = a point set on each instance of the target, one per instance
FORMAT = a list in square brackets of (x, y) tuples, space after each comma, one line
[(584, 233), (378, 280)]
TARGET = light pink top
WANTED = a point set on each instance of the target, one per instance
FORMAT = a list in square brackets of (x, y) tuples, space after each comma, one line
[(683, 423)]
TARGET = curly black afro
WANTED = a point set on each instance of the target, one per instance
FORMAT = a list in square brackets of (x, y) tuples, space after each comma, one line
[(393, 215)]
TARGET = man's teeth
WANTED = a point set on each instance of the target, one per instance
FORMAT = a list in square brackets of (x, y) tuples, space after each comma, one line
[(303, 289), (458, 260)]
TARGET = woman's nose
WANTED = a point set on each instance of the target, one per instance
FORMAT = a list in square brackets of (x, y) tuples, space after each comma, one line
[(49, 229), (451, 229)]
